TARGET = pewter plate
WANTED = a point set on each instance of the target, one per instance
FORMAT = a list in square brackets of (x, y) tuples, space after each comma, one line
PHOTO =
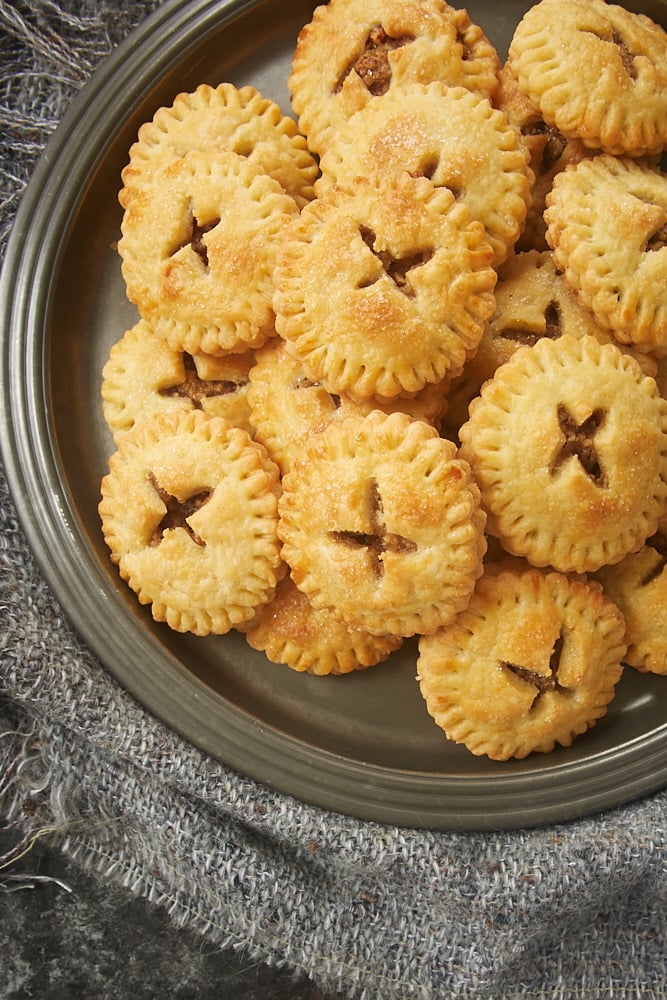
[(361, 744)]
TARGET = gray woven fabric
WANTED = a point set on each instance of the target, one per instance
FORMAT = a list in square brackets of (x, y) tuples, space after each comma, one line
[(376, 912)]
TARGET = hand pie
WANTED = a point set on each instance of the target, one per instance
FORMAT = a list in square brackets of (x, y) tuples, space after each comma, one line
[(383, 287), (189, 513), (531, 663), (596, 71), (568, 443), (380, 523), (352, 51), (198, 250), (290, 630), (607, 224), (143, 376)]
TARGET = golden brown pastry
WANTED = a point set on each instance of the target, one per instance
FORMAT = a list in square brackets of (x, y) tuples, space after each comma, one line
[(453, 137), (638, 585), (380, 523), (143, 376), (198, 250), (287, 407), (189, 513), (596, 71), (290, 630), (531, 663), (383, 288), (353, 51), (228, 119), (533, 300), (607, 224), (568, 443)]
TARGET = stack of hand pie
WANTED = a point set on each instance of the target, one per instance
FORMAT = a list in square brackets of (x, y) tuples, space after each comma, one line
[(398, 365)]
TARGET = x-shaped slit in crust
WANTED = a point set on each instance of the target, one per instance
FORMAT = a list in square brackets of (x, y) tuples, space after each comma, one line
[(658, 543), (303, 382), (372, 64), (196, 389), (177, 513), (580, 443), (378, 540), (543, 682), (626, 54), (529, 338), (428, 168), (395, 268), (194, 237)]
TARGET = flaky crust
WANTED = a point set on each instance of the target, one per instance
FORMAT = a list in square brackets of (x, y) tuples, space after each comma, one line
[(198, 251), (607, 224), (380, 523), (383, 288), (549, 153), (596, 71), (568, 443), (143, 376), (533, 300), (418, 42), (224, 118), (287, 407), (189, 514), (290, 630), (531, 663), (638, 585), (452, 136)]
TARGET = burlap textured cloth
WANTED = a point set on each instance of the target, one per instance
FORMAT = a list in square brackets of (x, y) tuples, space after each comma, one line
[(376, 912)]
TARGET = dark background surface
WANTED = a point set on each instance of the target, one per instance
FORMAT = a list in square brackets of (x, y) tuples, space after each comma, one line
[(65, 935)]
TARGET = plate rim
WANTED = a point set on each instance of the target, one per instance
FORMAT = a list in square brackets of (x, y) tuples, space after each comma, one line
[(38, 488)]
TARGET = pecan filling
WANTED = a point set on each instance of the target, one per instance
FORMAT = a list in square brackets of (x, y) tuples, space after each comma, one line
[(529, 338), (177, 513), (658, 543), (372, 65), (659, 239), (555, 141), (580, 443), (543, 682), (396, 269), (627, 56), (194, 237), (378, 540), (196, 389)]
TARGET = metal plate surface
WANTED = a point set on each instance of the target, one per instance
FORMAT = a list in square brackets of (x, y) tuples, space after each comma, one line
[(362, 744)]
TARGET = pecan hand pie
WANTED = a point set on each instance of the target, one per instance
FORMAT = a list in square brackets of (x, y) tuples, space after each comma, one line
[(198, 251), (286, 406), (453, 137), (224, 118), (638, 585), (533, 300), (596, 71), (568, 443), (189, 513), (353, 51), (607, 224), (290, 630), (531, 663), (548, 149), (381, 524), (383, 287), (143, 376)]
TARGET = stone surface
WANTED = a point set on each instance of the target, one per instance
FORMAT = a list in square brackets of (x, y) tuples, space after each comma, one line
[(65, 935)]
